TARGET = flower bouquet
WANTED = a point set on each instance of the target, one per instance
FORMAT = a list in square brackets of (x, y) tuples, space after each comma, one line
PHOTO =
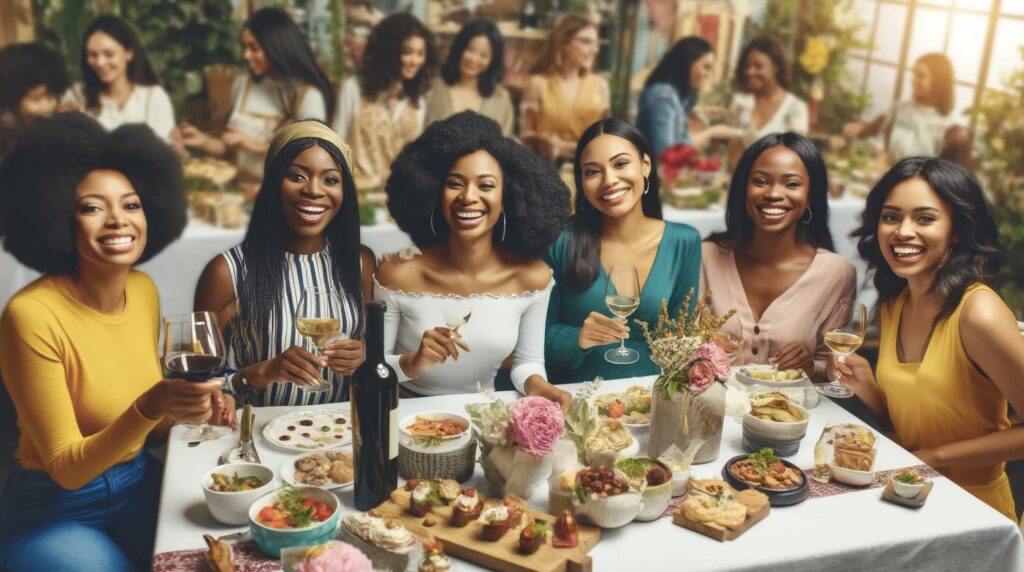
[(687, 404), (516, 441)]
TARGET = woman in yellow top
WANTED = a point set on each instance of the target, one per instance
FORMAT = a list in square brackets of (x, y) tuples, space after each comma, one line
[(951, 355), (564, 96), (78, 347)]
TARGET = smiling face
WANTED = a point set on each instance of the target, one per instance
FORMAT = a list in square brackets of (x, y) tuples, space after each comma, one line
[(613, 175), (253, 54), (915, 230), (702, 71), (107, 57), (414, 55), (38, 102), (777, 190), (475, 58), (110, 227), (311, 196), (759, 72), (581, 50), (472, 197)]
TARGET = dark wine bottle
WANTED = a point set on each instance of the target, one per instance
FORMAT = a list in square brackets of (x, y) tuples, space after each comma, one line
[(375, 417)]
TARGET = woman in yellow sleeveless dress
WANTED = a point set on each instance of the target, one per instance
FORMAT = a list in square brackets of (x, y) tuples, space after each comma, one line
[(950, 356), (564, 96)]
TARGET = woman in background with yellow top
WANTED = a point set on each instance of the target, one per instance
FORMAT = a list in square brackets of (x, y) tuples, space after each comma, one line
[(950, 355), (564, 97), (78, 347)]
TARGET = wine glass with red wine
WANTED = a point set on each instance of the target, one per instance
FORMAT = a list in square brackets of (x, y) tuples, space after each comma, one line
[(194, 351)]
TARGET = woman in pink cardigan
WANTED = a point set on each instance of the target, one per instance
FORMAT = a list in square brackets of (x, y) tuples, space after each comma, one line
[(775, 262)]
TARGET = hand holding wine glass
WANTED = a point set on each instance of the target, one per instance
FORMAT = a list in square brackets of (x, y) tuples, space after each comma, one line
[(622, 295), (730, 337), (318, 319), (844, 334), (193, 350)]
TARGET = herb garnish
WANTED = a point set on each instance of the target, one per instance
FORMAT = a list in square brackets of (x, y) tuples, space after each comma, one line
[(762, 459), (634, 468), (292, 502), (908, 477)]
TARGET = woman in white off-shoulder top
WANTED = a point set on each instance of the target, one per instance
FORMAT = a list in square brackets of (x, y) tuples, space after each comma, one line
[(482, 208)]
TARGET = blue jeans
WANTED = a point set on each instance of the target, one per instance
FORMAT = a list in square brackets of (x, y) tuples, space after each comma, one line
[(107, 525)]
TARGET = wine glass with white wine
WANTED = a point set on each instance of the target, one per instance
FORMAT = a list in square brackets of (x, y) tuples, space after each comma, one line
[(622, 295), (318, 319), (844, 334), (730, 337)]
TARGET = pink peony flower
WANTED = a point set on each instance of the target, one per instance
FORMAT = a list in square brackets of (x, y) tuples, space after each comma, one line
[(338, 557), (536, 425), (716, 355), (701, 375)]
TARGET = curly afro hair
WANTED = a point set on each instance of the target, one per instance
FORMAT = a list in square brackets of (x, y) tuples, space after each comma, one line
[(39, 177), (536, 200)]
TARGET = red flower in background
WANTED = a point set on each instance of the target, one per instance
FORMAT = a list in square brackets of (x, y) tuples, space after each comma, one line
[(679, 156)]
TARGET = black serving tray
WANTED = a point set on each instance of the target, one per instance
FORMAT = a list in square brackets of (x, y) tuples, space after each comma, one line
[(777, 497)]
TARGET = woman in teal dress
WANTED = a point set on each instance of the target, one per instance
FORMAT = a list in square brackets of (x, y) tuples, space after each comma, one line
[(617, 221)]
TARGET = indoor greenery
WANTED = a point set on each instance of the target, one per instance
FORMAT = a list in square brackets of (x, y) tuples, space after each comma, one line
[(999, 120)]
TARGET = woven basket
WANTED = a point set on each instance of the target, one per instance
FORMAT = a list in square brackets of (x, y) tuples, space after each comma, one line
[(456, 464)]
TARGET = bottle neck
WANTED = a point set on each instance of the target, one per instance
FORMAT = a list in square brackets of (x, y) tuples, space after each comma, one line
[(375, 337)]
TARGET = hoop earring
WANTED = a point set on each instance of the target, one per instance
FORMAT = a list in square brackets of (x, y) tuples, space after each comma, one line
[(504, 226), (432, 230), (810, 216), (647, 185)]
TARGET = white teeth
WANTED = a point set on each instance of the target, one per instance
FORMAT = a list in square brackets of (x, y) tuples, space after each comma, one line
[(119, 241), (613, 196), (773, 211), (314, 210), (469, 214), (907, 250)]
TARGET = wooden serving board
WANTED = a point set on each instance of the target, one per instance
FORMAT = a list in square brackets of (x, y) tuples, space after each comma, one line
[(889, 494), (503, 554), (719, 534)]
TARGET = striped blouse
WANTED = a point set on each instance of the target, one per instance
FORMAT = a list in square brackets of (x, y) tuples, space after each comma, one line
[(301, 271)]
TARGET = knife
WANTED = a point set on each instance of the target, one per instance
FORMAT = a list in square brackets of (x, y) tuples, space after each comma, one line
[(245, 435)]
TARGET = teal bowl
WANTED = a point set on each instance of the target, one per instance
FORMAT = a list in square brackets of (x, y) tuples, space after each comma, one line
[(272, 540)]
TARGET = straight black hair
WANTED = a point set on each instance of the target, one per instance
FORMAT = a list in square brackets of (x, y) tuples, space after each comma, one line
[(675, 66), (262, 282), (739, 228), (974, 257), (290, 57), (585, 227), (491, 77), (138, 70)]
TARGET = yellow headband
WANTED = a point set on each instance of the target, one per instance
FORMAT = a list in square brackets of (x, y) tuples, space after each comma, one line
[(303, 129)]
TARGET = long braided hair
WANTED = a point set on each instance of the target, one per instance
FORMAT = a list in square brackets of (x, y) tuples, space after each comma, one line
[(262, 280)]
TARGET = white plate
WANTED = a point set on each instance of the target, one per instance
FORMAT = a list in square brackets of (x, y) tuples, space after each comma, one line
[(287, 431), (742, 377), (288, 475), (628, 425)]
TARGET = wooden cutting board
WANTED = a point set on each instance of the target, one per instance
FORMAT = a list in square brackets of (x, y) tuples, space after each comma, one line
[(718, 534), (503, 554)]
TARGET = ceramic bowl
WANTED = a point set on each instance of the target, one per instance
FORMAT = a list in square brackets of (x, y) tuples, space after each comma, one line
[(852, 477), (611, 511), (434, 445), (272, 540), (782, 436), (656, 497), (777, 497), (905, 490), (233, 508)]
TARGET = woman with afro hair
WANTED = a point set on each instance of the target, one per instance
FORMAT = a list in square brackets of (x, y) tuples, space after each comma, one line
[(381, 108), (482, 209), (78, 347), (32, 78), (617, 222), (304, 233)]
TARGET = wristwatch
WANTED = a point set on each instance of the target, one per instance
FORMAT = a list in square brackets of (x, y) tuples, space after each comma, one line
[(240, 387)]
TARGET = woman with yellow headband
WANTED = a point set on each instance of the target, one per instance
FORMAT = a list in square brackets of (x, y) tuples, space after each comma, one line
[(304, 232)]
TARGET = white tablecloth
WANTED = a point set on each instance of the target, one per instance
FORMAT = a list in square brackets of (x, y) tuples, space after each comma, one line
[(853, 531), (176, 270)]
